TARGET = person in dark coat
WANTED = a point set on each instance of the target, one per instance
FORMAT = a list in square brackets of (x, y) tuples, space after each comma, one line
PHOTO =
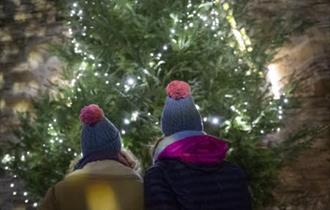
[(190, 171)]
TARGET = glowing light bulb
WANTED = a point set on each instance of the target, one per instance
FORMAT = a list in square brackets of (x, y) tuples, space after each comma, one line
[(134, 116), (215, 120), (35, 204), (130, 81), (205, 119), (126, 121), (12, 185), (25, 193), (165, 47)]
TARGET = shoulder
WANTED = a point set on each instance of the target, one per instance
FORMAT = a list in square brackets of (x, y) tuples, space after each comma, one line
[(233, 169)]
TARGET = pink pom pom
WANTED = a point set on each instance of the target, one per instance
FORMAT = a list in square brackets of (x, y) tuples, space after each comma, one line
[(178, 89), (91, 114)]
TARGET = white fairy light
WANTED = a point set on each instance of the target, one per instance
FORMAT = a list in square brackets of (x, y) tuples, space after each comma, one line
[(151, 54), (25, 193), (123, 132), (14, 193), (6, 158), (197, 107), (215, 120), (205, 119), (75, 4), (262, 131), (286, 100), (106, 74), (165, 47), (12, 185), (107, 82), (126, 121), (172, 31), (117, 83), (96, 73), (191, 25), (6, 168), (278, 129), (26, 201), (35, 204), (130, 81), (23, 158), (69, 149), (79, 90), (135, 115)]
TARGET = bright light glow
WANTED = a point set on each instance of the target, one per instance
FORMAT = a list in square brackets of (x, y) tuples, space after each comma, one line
[(130, 81), (123, 132), (12, 185), (197, 107), (26, 201), (6, 158), (286, 100), (25, 193), (14, 193), (134, 116), (165, 47), (205, 119), (215, 120), (35, 204), (126, 121), (23, 158), (274, 78)]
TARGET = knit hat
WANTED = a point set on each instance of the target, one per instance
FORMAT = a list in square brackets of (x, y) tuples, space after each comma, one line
[(98, 133), (180, 112)]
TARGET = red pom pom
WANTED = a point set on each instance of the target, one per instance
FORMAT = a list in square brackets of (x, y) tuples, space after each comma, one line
[(178, 89), (91, 114)]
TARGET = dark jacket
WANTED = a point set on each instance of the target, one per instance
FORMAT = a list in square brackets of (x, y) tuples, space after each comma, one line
[(175, 183)]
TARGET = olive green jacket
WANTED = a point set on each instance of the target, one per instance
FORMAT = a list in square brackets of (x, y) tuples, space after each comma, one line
[(99, 185)]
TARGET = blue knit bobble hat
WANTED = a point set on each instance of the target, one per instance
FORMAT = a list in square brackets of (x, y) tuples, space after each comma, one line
[(98, 133), (180, 112)]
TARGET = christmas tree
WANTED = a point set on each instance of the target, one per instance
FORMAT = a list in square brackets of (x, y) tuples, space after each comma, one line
[(121, 54)]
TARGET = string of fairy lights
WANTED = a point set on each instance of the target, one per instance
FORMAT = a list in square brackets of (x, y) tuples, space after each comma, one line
[(209, 19)]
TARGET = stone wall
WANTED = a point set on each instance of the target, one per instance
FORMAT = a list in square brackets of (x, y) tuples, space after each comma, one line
[(26, 68), (305, 182)]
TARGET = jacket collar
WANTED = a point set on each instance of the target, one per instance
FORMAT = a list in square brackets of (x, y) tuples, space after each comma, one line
[(174, 138), (104, 167)]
